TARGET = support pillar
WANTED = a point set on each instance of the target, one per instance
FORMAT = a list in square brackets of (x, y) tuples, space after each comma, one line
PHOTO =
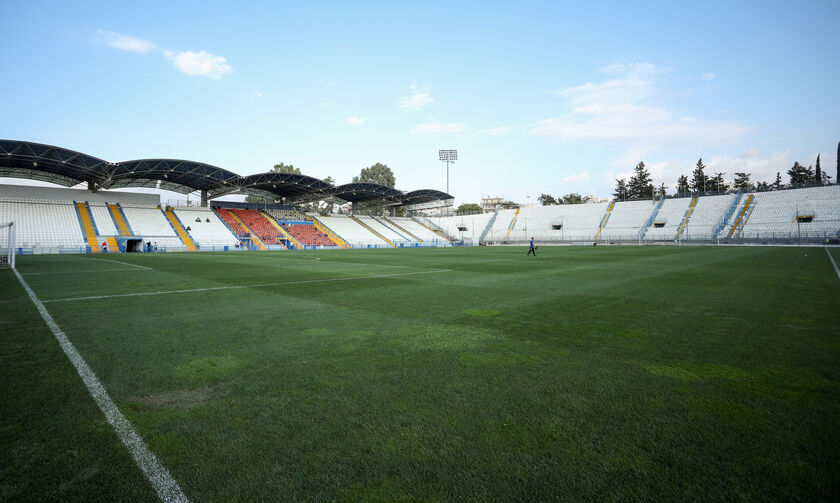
[(203, 198)]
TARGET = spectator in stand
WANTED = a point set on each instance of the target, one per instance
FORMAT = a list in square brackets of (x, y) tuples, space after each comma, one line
[(104, 247)]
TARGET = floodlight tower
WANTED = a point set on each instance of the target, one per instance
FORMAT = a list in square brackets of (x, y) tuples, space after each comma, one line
[(448, 156)]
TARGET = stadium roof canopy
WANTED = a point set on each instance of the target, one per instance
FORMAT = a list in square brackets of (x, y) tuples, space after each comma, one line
[(274, 186), (36, 161), (367, 192)]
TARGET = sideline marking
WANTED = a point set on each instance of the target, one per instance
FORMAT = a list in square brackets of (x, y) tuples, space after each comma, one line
[(157, 475), (833, 262), (316, 259), (123, 263), (232, 287)]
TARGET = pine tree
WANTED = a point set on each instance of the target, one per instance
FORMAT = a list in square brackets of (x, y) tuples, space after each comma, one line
[(640, 185), (800, 174), (778, 183), (717, 183), (620, 189), (682, 185), (699, 180), (818, 176), (742, 181)]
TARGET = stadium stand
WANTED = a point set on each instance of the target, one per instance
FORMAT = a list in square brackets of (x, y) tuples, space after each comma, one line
[(381, 230), (809, 212), (354, 233), (423, 234), (45, 224), (259, 225), (53, 226), (563, 222), (668, 219), (707, 217), (233, 223), (472, 225), (150, 223), (212, 235), (301, 230), (627, 220), (102, 218)]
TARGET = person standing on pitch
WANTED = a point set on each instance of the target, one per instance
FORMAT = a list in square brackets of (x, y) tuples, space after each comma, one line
[(532, 249)]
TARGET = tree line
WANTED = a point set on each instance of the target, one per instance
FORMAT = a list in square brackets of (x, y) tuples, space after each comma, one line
[(377, 173), (640, 185)]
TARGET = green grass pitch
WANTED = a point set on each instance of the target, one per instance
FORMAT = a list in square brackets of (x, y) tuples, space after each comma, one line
[(477, 374)]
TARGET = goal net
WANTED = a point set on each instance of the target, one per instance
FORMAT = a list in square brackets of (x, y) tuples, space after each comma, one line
[(7, 245)]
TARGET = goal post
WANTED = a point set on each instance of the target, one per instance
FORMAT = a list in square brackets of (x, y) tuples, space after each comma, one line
[(7, 245)]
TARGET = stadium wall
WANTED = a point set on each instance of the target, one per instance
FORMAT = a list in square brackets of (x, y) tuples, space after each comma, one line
[(62, 194)]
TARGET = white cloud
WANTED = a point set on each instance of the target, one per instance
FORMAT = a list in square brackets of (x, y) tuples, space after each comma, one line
[(707, 76), (625, 108), (579, 177), (438, 127), (125, 43), (200, 63), (258, 95), (418, 99), (355, 121)]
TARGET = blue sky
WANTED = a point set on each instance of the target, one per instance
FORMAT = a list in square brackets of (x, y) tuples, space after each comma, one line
[(543, 97)]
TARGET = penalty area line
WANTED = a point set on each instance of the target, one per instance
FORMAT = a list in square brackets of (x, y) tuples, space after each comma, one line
[(158, 476), (836, 269), (123, 263), (235, 287)]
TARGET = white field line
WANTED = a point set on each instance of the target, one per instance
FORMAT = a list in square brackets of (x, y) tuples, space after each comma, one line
[(833, 262), (78, 272), (163, 483), (234, 287), (123, 263)]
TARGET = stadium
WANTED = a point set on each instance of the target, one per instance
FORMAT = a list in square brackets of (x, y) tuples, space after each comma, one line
[(193, 324), (382, 357)]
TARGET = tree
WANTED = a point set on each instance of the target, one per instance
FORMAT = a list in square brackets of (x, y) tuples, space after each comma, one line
[(378, 173), (778, 183), (818, 176), (660, 191), (762, 186), (800, 174), (699, 179), (573, 198), (682, 184), (620, 189), (640, 185), (468, 208), (278, 168), (717, 183), (285, 168), (546, 200), (742, 182), (838, 163)]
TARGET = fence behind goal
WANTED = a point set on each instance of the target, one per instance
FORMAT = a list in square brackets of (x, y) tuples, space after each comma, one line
[(7, 245)]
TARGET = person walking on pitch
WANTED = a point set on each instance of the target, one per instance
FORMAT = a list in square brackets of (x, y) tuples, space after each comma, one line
[(532, 249)]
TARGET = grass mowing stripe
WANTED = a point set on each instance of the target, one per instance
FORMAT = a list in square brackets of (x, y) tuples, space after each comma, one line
[(78, 272), (163, 483), (123, 263), (833, 262), (232, 287)]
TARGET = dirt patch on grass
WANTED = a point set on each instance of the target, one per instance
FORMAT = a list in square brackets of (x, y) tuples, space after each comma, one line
[(183, 398)]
